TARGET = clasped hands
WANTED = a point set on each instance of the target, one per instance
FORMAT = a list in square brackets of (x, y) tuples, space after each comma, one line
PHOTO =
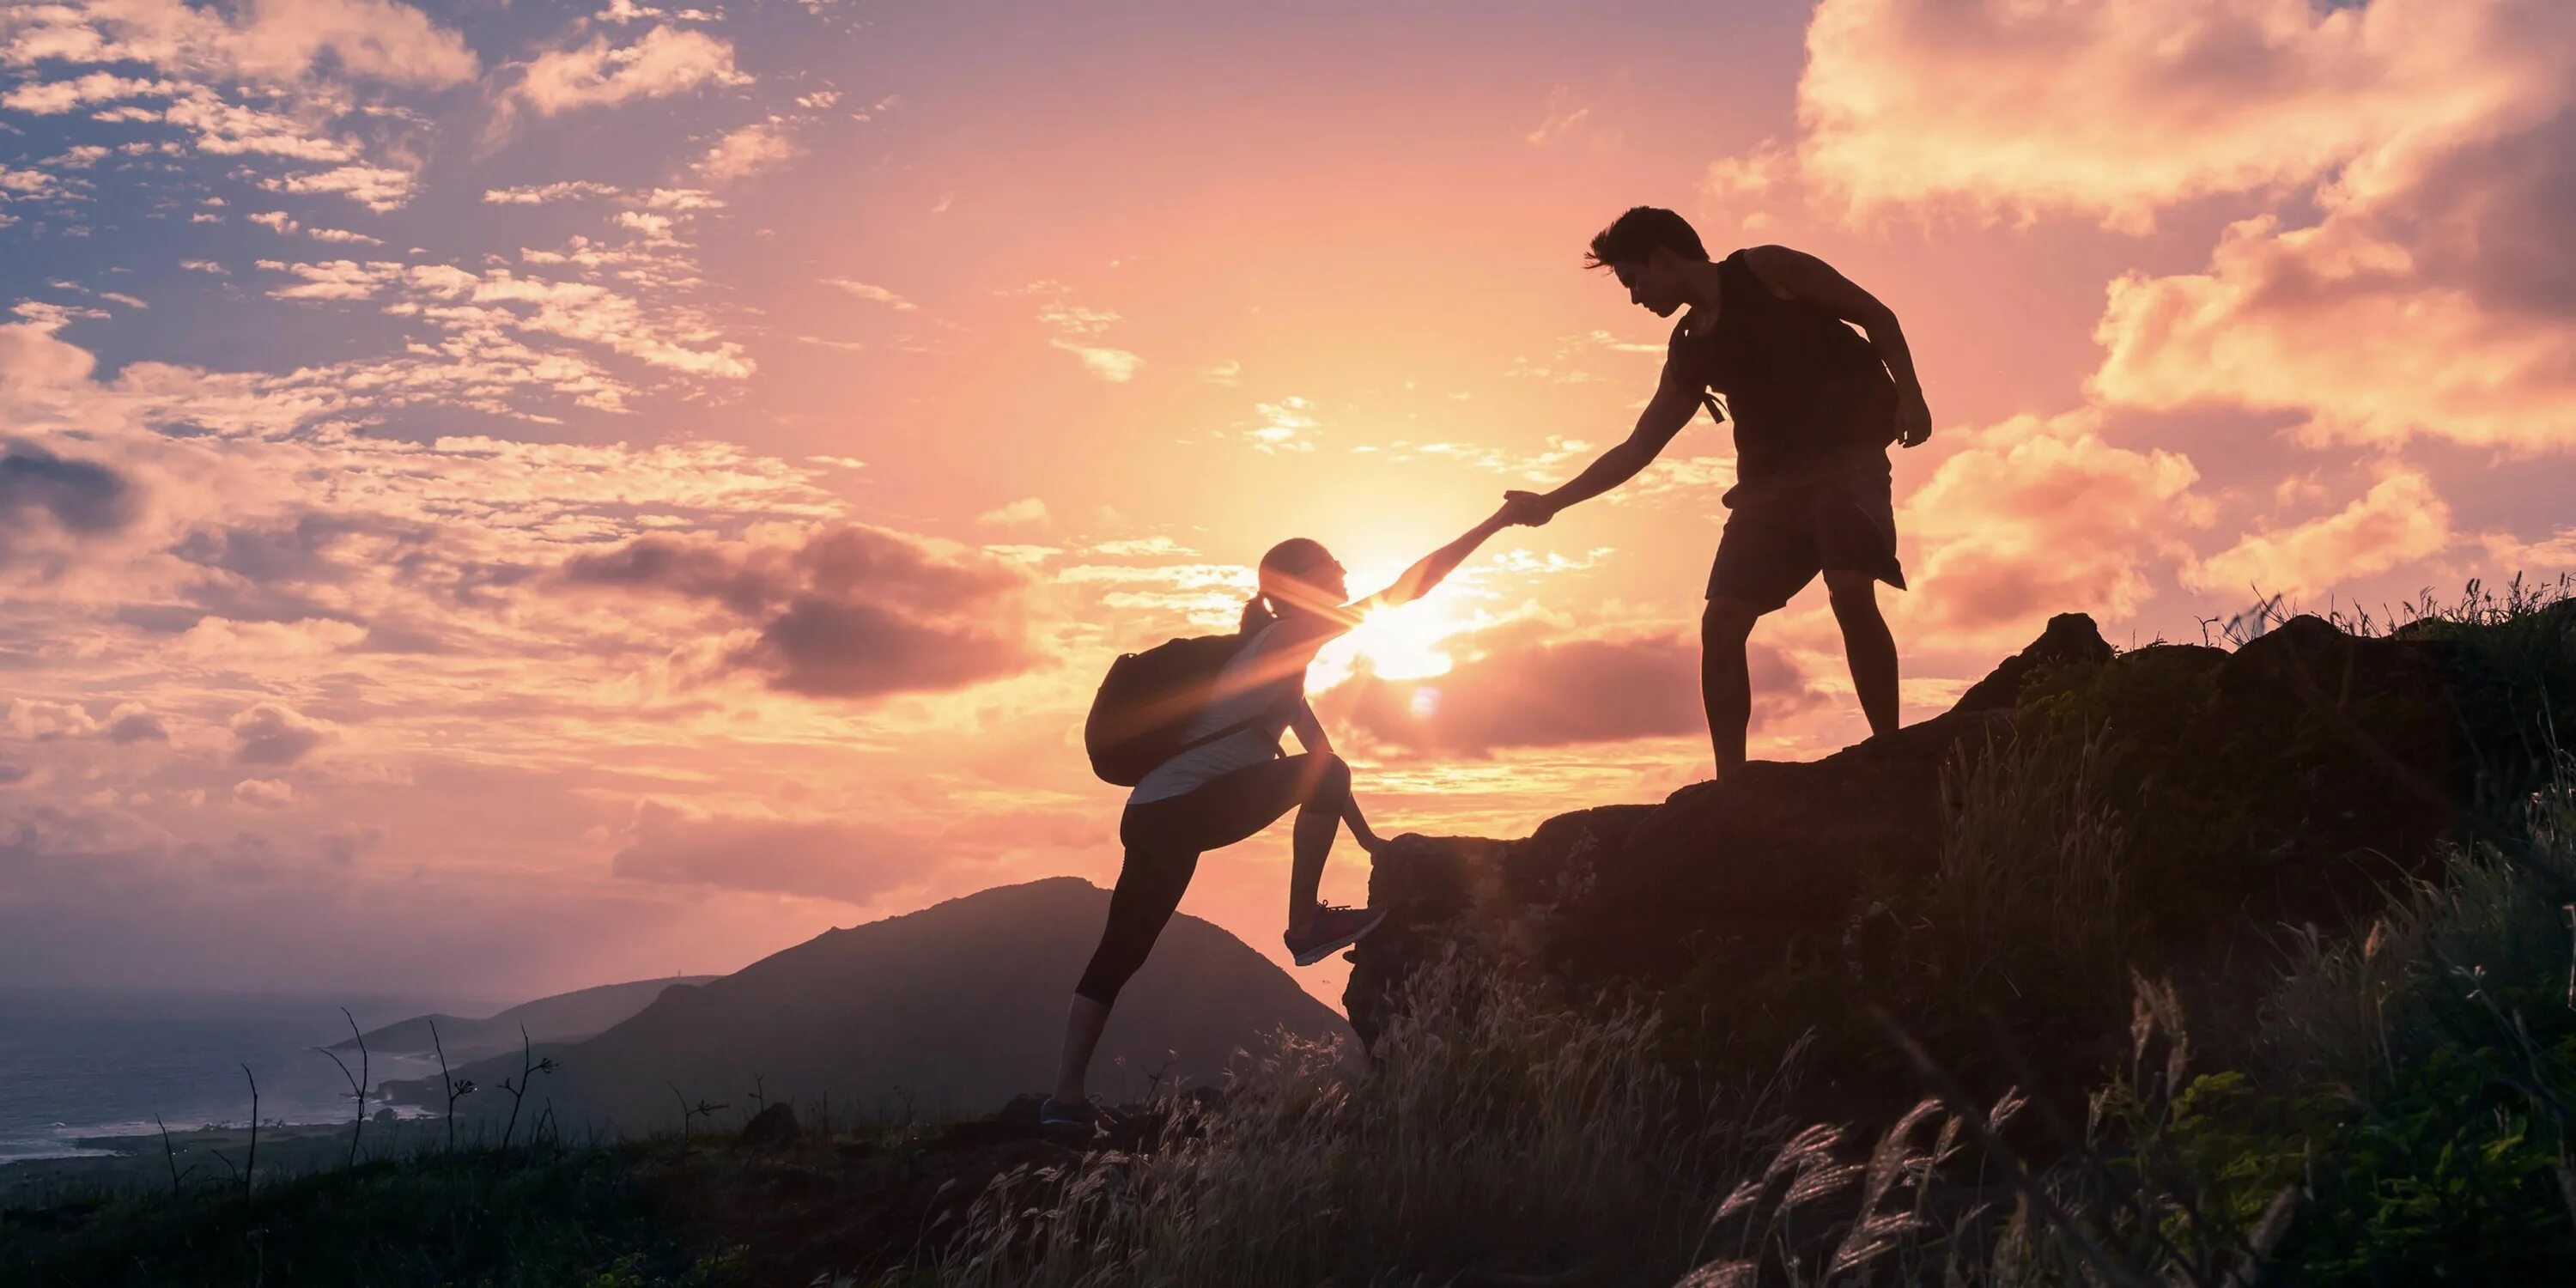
[(1527, 509)]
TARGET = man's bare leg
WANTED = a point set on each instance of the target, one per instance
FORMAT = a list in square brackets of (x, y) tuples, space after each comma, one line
[(1868, 645), (1725, 680)]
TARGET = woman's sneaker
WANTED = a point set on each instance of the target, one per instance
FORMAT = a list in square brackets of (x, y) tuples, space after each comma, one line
[(1068, 1113), (1332, 930)]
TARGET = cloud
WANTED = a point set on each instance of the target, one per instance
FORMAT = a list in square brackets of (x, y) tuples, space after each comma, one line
[(2436, 301), (1076, 326), (845, 611), (1531, 684), (2399, 520), (826, 858), (263, 40), (268, 734), (666, 61), (2431, 293), (130, 724), (540, 194), (46, 98), (1026, 510), (2038, 516), (49, 503), (877, 293), (378, 188), (478, 308), (1117, 366), (264, 793), (2149, 102), (1285, 426), (746, 152)]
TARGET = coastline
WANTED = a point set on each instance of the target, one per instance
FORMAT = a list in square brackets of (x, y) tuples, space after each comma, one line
[(206, 1156)]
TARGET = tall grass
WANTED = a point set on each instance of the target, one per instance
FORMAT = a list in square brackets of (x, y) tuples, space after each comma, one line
[(2033, 871), (1496, 1135)]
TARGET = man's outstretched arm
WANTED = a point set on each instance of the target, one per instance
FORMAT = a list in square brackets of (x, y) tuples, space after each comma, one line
[(1805, 277), (1676, 400)]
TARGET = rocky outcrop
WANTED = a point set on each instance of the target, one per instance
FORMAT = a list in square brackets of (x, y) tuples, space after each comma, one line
[(2287, 781)]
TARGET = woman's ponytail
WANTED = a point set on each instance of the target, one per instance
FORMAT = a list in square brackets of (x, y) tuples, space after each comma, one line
[(1257, 613)]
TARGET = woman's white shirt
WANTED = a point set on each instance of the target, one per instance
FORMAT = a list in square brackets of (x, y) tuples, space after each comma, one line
[(1243, 749)]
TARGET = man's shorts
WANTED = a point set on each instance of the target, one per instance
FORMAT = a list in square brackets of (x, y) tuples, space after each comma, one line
[(1777, 539)]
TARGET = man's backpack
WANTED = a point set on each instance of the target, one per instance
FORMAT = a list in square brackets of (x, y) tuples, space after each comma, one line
[(1141, 716)]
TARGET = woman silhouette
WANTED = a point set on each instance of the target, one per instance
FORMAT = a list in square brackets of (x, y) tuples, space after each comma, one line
[(1224, 791)]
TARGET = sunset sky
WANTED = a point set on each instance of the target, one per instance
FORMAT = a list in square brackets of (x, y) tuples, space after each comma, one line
[(508, 495)]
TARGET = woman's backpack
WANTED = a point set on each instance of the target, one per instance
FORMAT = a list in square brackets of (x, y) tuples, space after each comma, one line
[(1141, 715)]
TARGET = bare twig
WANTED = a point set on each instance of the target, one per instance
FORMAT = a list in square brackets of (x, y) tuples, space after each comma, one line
[(357, 1085), (168, 1154), (250, 1162), (456, 1088), (528, 1064)]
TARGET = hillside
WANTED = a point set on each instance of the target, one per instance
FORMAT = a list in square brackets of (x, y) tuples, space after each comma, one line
[(959, 1006), (564, 1017)]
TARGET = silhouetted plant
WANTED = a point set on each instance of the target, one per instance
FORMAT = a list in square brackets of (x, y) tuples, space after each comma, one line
[(357, 1085), (170, 1155), (250, 1161), (455, 1088), (528, 1065)]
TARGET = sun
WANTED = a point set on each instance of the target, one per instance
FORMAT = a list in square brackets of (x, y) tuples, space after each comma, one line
[(1405, 643)]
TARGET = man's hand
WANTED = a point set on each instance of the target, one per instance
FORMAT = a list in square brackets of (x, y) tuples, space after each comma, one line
[(1528, 509), (1913, 420)]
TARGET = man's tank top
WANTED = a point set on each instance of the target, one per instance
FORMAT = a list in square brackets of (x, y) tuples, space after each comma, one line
[(1805, 390)]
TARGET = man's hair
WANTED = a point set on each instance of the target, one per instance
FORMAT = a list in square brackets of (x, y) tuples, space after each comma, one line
[(1633, 236)]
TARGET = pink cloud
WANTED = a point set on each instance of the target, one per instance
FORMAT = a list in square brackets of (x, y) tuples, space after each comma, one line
[(1535, 684), (2115, 111), (2039, 516), (2401, 519), (665, 61)]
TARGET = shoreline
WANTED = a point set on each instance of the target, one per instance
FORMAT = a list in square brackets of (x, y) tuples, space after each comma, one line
[(207, 1155)]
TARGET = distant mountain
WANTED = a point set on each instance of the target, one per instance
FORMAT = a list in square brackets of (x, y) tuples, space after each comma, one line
[(960, 1005), (564, 1017)]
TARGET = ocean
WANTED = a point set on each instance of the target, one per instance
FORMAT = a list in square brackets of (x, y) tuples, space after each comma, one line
[(102, 1062)]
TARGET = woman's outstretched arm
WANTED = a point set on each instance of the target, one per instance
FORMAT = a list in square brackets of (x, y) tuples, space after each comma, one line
[(1415, 582)]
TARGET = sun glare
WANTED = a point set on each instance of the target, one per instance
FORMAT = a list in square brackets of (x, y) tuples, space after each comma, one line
[(1406, 643)]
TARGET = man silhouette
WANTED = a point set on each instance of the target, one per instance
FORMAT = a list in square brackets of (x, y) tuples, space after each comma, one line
[(1815, 407)]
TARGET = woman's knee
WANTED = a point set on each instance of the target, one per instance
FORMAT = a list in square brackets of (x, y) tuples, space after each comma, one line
[(1329, 779)]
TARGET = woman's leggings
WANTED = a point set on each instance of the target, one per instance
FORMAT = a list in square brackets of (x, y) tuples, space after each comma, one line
[(1164, 839)]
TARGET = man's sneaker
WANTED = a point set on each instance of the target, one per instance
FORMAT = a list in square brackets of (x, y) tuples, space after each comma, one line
[(1332, 930), (1063, 1113)]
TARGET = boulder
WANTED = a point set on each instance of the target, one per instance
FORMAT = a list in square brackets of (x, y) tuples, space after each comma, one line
[(2292, 779), (774, 1126)]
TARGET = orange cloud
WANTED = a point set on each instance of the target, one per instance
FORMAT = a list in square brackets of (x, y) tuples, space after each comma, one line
[(667, 60), (2441, 306), (2399, 520), (1530, 684), (2040, 516), (2115, 111)]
